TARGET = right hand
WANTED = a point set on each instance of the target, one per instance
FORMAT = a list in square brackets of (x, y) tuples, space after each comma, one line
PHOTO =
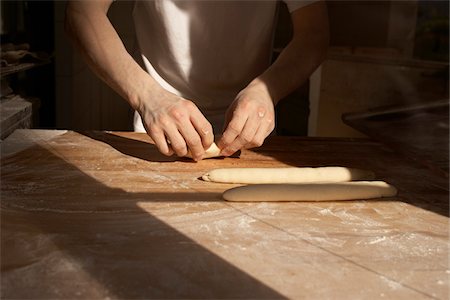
[(175, 124)]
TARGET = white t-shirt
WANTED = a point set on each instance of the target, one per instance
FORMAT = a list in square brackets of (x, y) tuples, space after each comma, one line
[(205, 50)]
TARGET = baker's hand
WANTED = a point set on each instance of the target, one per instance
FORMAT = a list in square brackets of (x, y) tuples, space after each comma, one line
[(249, 120), (175, 124)]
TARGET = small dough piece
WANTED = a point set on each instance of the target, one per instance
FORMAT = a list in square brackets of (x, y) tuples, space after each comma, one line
[(212, 151), (286, 175), (357, 190)]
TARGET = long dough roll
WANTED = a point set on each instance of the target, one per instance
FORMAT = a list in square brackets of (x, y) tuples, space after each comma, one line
[(286, 175), (357, 190)]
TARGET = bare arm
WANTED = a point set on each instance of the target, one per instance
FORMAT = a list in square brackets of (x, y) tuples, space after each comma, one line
[(93, 34), (250, 118), (304, 53), (165, 115)]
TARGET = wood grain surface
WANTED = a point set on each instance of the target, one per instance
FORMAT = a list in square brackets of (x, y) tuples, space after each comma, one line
[(104, 215)]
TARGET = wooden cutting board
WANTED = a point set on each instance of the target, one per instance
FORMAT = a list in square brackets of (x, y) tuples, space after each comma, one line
[(103, 215)]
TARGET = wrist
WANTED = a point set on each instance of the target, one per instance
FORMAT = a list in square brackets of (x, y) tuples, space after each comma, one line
[(144, 93), (261, 87)]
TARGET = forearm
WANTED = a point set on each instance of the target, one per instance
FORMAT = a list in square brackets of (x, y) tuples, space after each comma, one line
[(91, 31), (292, 68), (298, 60)]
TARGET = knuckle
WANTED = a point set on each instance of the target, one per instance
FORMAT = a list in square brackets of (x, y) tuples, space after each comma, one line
[(233, 128), (153, 128), (227, 138), (262, 112), (225, 142), (257, 142), (239, 112), (206, 129), (176, 113), (163, 120), (194, 141), (245, 138), (188, 104), (179, 148), (245, 104), (261, 109)]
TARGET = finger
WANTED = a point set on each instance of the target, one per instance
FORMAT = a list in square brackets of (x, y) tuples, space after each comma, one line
[(160, 141), (263, 131), (193, 140), (177, 142), (233, 129), (203, 128), (244, 138)]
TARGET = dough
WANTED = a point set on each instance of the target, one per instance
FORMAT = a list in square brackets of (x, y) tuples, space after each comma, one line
[(357, 190), (212, 151), (286, 175)]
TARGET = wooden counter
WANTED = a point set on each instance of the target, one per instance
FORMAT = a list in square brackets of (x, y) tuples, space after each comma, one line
[(103, 215)]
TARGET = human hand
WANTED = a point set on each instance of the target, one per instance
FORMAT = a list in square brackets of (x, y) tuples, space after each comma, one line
[(175, 124), (249, 119)]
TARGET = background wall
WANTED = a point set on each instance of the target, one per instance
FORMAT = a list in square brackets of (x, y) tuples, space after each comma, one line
[(382, 53)]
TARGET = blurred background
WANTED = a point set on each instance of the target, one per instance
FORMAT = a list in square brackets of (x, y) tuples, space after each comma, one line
[(384, 57)]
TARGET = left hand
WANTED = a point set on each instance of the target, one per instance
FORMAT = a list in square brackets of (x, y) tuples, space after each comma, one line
[(248, 120)]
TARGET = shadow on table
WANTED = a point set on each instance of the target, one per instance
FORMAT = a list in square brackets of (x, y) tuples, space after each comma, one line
[(67, 235), (417, 184), (141, 149)]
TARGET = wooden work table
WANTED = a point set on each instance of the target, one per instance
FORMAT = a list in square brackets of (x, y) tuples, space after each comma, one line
[(104, 215)]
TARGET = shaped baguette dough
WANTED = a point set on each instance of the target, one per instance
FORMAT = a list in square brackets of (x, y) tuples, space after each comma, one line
[(286, 175), (311, 192), (212, 151)]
